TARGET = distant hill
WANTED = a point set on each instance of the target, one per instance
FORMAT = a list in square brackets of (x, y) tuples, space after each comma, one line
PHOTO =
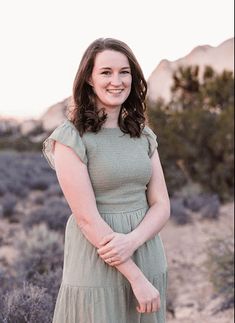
[(219, 58), (54, 115)]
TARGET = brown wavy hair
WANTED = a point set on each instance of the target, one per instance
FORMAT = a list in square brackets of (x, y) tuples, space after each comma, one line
[(85, 114)]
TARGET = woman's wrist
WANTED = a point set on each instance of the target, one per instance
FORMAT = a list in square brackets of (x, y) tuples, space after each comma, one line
[(135, 239), (130, 270)]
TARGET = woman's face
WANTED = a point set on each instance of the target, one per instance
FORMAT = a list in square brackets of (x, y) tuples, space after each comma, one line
[(111, 79)]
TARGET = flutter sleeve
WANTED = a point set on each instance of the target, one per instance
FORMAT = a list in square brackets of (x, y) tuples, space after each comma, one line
[(152, 140), (67, 134)]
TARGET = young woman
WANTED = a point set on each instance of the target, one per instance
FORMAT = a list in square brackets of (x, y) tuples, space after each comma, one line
[(108, 167)]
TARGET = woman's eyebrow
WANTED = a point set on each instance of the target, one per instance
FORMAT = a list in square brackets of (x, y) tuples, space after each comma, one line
[(109, 68)]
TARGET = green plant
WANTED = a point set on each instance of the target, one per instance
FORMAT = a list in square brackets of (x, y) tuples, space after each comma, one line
[(196, 131)]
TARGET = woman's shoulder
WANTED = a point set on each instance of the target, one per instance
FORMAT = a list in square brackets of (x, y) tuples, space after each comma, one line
[(66, 124), (148, 131), (151, 138), (67, 134)]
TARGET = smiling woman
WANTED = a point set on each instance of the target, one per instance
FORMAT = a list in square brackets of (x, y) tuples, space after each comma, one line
[(109, 89), (115, 268)]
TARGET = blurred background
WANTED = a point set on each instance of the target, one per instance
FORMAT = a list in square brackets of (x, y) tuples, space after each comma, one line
[(186, 50)]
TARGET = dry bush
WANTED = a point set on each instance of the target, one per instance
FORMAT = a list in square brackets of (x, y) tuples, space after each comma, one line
[(220, 266), (26, 305), (40, 251)]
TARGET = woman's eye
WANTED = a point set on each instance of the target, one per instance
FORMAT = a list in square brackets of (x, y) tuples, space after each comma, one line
[(105, 72), (125, 72)]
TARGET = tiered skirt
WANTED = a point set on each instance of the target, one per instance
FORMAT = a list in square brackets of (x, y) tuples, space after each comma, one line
[(92, 291)]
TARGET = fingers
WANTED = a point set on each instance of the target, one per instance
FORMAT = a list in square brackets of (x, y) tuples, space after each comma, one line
[(106, 239), (103, 250), (109, 258), (141, 308), (150, 307), (110, 255), (156, 305), (115, 263), (111, 261), (107, 255)]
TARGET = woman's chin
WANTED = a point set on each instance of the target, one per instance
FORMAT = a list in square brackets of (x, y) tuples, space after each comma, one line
[(113, 103)]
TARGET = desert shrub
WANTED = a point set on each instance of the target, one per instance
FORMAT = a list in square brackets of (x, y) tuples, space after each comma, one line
[(40, 251), (220, 266), (180, 215), (38, 198), (54, 190), (196, 202), (39, 183), (49, 281), (26, 305), (39, 266), (18, 188), (3, 189), (54, 213), (21, 143), (22, 172), (196, 131), (7, 281), (207, 204), (8, 204), (211, 208)]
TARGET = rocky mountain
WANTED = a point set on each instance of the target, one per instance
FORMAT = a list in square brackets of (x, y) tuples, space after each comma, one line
[(219, 58), (54, 115)]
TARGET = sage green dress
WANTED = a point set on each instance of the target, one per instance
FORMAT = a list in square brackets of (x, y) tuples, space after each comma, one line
[(119, 166)]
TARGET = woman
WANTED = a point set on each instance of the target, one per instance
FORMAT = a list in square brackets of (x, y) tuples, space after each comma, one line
[(108, 167)]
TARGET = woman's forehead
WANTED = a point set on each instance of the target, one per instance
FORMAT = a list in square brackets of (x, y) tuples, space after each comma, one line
[(111, 58)]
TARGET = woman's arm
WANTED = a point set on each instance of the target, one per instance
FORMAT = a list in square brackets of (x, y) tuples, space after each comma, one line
[(159, 202), (75, 183)]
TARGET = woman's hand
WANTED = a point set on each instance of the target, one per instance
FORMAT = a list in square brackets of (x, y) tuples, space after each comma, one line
[(116, 248), (147, 295)]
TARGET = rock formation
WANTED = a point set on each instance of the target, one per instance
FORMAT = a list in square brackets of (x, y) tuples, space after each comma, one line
[(219, 58), (54, 115)]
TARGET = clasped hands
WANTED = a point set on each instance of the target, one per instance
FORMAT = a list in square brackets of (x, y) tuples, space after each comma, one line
[(116, 248)]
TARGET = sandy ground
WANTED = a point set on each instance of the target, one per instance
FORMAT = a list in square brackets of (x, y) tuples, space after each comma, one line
[(190, 292)]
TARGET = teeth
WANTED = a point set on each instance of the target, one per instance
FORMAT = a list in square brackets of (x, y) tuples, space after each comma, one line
[(114, 91)]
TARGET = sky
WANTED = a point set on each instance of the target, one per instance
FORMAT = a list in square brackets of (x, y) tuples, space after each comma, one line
[(42, 42)]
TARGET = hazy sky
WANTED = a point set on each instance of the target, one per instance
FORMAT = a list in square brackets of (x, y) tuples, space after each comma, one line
[(42, 41)]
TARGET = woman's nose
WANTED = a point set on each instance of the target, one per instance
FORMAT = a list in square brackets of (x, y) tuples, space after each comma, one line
[(116, 80)]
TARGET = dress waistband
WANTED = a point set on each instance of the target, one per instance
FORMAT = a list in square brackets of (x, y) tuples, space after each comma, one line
[(117, 208)]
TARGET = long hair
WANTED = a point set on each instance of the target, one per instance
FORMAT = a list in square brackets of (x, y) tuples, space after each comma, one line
[(85, 114)]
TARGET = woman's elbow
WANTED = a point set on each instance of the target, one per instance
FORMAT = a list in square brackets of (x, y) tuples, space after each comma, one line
[(86, 219)]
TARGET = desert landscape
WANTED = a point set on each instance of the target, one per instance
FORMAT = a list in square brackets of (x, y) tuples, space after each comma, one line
[(195, 131)]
